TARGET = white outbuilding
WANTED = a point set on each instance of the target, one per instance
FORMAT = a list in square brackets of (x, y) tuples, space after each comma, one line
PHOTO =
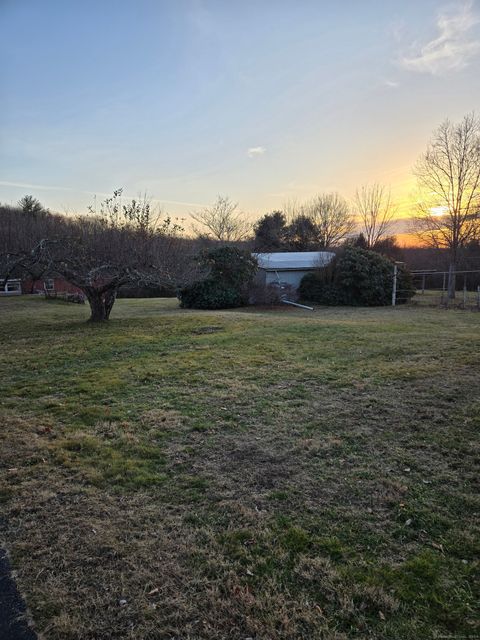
[(286, 269)]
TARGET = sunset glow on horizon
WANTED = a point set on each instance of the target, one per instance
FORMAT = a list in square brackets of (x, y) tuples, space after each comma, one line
[(264, 102)]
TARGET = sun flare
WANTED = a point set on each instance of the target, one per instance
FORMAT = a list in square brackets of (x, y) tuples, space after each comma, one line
[(438, 211)]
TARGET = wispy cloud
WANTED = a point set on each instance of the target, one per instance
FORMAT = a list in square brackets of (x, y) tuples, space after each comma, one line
[(27, 185), (453, 47), (393, 84), (254, 152)]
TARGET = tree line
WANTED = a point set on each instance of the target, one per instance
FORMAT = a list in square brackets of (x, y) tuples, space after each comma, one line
[(133, 244), (323, 222)]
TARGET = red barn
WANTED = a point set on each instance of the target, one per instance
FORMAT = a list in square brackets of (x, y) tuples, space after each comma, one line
[(49, 285)]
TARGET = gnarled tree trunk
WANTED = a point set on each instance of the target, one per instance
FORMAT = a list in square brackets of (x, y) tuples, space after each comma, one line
[(101, 303)]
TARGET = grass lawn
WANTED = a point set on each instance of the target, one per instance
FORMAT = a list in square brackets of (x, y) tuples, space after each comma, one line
[(233, 475)]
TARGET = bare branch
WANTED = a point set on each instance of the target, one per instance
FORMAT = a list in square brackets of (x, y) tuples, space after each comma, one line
[(222, 221), (376, 211), (332, 218)]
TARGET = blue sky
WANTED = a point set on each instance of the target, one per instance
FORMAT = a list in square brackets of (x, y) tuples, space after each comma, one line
[(264, 101)]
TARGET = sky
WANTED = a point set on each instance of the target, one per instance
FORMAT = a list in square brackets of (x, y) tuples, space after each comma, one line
[(261, 100)]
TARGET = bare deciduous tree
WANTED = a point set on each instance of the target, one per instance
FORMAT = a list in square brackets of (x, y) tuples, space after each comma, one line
[(222, 221), (99, 254), (448, 176), (376, 211), (331, 216)]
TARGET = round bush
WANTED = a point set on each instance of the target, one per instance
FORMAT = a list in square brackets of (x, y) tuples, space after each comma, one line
[(230, 273), (364, 278), (209, 294), (357, 277)]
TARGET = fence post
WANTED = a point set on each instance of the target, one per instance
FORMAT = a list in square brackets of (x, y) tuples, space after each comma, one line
[(423, 284), (452, 274), (478, 297), (443, 288), (394, 289), (465, 291)]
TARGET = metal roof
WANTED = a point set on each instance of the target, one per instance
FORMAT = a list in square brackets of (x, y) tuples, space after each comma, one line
[(283, 261)]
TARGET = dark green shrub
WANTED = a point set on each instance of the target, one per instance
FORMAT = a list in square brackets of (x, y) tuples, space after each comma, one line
[(315, 288), (357, 277), (209, 294), (231, 272), (229, 265), (364, 278)]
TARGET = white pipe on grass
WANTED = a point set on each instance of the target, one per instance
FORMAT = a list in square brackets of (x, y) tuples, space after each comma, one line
[(296, 304)]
